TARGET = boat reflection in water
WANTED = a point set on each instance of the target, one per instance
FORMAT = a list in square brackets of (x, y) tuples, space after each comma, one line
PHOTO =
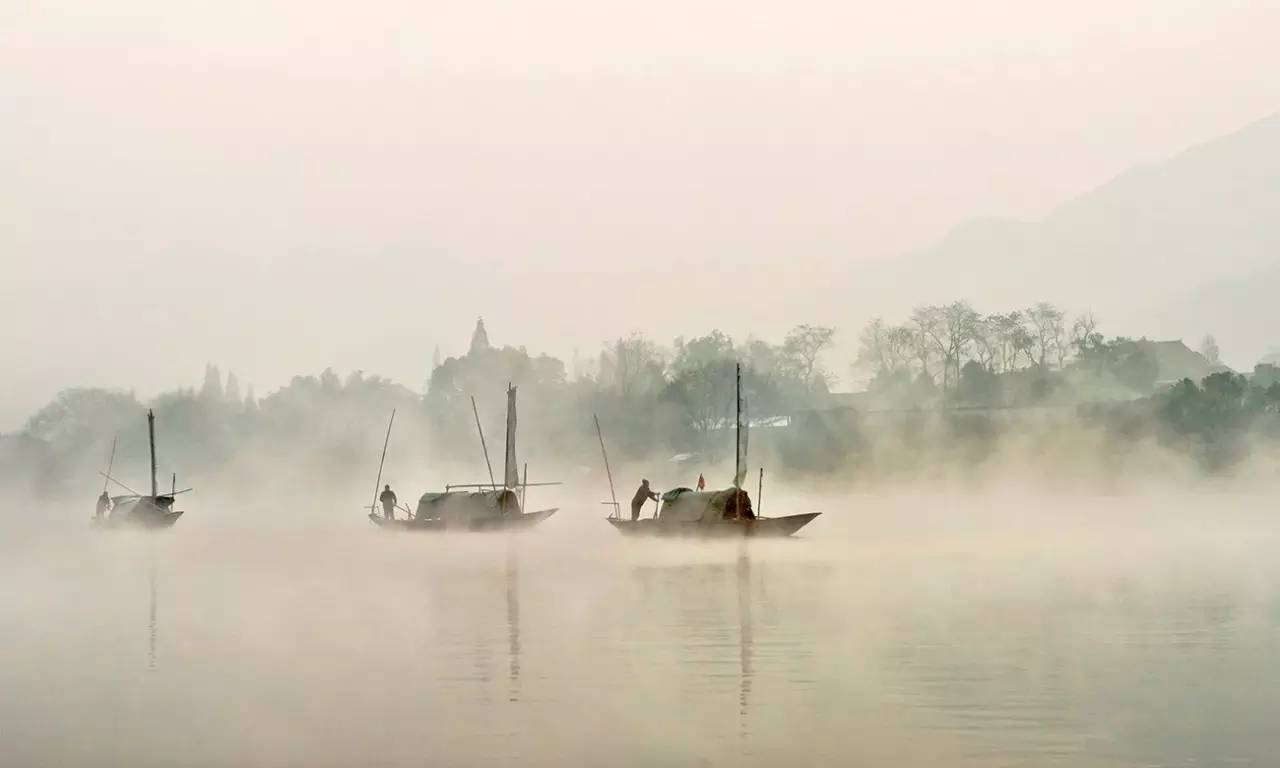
[(153, 631), (744, 636)]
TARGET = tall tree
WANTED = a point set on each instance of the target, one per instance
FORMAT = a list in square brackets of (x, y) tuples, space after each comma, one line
[(629, 362), (873, 347), (924, 330), (1084, 334), (956, 332), (1011, 338), (986, 347), (1047, 332), (801, 350)]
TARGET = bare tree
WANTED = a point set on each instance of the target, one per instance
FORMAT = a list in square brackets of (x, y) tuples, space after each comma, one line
[(924, 330), (1009, 333), (884, 349), (628, 360), (873, 343), (951, 333), (899, 347), (1084, 334), (801, 350), (986, 344), (1047, 333)]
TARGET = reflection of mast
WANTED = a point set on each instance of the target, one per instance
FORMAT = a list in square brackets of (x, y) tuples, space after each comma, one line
[(513, 621), (744, 631), (152, 627)]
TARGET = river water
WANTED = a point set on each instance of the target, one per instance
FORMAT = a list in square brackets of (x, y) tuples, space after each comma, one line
[(900, 629)]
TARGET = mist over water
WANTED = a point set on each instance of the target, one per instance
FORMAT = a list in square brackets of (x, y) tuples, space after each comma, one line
[(914, 627)]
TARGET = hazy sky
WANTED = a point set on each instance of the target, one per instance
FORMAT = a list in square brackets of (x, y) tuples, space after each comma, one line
[(281, 187)]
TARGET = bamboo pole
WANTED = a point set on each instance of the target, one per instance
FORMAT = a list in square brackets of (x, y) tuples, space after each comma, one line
[(373, 507), (760, 494), (483, 446), (608, 472), (122, 485), (110, 462)]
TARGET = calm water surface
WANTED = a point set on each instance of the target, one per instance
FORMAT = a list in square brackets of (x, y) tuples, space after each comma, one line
[(924, 631)]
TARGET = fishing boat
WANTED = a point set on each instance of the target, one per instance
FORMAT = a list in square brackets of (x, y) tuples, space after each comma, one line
[(135, 510), (473, 506), (708, 514), (711, 514)]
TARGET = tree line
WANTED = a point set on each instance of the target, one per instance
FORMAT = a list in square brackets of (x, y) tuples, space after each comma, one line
[(652, 397), (657, 399), (953, 354)]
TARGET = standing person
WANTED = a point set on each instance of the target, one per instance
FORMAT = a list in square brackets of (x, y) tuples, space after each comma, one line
[(388, 499), (104, 504), (643, 494), (702, 482)]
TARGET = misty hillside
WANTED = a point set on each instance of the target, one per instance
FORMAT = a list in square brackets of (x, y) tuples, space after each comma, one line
[(1132, 248), (1243, 313)]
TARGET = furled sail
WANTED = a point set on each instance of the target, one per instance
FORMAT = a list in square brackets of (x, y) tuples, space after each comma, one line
[(744, 427), (511, 472)]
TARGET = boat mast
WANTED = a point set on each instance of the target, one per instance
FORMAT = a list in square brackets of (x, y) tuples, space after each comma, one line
[(151, 437), (737, 435), (510, 468)]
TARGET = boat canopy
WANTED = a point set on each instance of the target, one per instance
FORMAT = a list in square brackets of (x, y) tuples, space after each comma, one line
[(682, 505), (137, 507), (460, 506)]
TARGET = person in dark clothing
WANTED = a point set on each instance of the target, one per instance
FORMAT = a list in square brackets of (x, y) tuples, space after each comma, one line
[(643, 494), (104, 504), (388, 499)]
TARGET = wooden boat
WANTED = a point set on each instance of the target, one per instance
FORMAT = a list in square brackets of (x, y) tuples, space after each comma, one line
[(140, 512), (473, 507), (456, 511), (515, 520), (708, 514), (758, 527), (135, 510)]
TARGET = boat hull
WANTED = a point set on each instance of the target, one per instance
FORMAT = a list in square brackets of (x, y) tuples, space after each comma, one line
[(513, 522), (771, 527), (144, 521)]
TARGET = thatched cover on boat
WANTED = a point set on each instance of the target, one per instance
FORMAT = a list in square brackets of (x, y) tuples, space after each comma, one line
[(682, 505), (460, 506), (139, 507)]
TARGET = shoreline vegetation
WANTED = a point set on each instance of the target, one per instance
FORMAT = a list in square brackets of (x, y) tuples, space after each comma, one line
[(948, 391)]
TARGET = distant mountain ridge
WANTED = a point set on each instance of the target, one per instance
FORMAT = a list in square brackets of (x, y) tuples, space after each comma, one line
[(1143, 251)]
